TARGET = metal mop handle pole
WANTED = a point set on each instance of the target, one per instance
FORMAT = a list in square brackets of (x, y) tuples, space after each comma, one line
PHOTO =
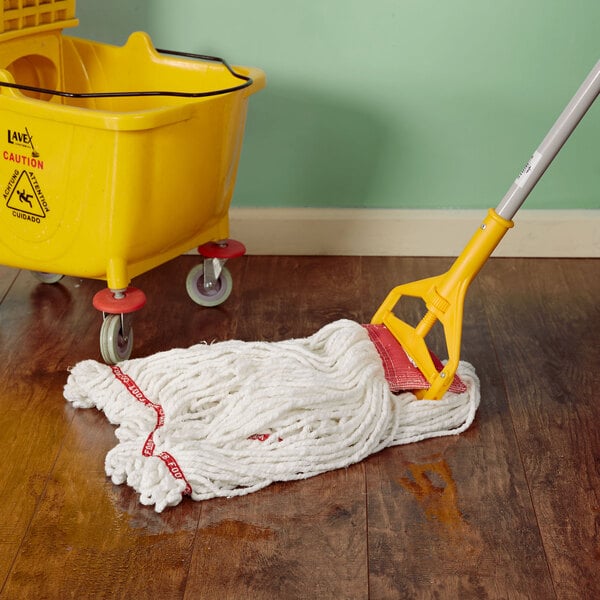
[(551, 144), (499, 221)]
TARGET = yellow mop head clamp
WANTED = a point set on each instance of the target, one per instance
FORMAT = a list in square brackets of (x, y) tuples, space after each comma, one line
[(444, 297)]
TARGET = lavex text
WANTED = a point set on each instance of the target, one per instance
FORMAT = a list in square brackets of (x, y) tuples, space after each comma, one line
[(17, 137)]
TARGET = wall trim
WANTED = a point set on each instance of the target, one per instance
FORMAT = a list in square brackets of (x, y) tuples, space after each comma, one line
[(410, 232)]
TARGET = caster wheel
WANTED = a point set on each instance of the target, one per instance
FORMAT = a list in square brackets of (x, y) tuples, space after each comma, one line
[(47, 277), (208, 297), (115, 344)]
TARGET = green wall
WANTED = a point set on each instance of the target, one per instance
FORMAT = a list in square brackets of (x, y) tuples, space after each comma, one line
[(391, 103)]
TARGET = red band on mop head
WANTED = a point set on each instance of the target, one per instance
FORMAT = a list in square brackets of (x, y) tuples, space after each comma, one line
[(175, 471), (149, 446), (401, 374)]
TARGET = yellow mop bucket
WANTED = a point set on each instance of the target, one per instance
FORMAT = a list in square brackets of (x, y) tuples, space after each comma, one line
[(115, 159)]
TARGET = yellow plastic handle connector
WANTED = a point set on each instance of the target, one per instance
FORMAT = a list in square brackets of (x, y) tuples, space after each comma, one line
[(444, 297)]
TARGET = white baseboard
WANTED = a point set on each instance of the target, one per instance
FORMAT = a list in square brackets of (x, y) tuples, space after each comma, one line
[(407, 232)]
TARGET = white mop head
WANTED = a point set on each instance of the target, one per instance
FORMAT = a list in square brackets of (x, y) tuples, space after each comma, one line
[(229, 418)]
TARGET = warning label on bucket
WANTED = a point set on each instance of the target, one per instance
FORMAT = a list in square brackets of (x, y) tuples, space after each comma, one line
[(24, 196)]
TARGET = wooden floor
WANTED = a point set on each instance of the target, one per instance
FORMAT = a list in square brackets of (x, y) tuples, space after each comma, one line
[(509, 509)]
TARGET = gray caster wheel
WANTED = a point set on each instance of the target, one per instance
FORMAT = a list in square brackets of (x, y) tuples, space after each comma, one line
[(47, 277), (116, 338), (212, 296)]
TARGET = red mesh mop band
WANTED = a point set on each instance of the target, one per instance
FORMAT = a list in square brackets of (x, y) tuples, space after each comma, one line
[(401, 374)]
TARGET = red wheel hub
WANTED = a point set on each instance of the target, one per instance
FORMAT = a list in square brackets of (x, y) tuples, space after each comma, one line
[(224, 249), (133, 300)]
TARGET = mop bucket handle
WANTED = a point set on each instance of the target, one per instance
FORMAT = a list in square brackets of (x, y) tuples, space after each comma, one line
[(247, 82), (444, 295)]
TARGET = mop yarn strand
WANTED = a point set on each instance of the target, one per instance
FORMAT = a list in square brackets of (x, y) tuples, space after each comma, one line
[(230, 418)]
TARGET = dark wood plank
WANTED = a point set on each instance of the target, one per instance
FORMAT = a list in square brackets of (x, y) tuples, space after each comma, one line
[(36, 336), (95, 538), (294, 296), (546, 328), (301, 539), (7, 277), (451, 517)]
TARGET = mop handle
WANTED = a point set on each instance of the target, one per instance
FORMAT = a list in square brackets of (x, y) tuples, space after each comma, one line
[(551, 144), (444, 295)]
